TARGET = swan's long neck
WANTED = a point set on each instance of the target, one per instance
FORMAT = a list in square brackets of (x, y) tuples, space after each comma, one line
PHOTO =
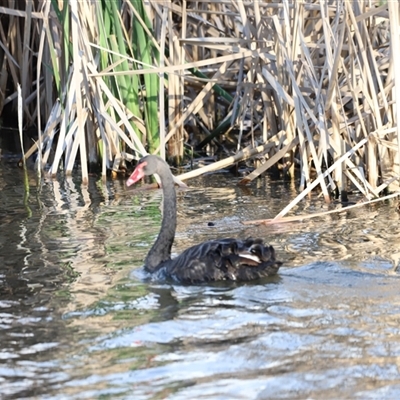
[(161, 250)]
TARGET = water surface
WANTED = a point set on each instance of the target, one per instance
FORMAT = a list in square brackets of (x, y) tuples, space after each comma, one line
[(78, 321)]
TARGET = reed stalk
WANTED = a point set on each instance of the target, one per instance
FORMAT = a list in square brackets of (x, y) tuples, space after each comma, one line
[(24, 168)]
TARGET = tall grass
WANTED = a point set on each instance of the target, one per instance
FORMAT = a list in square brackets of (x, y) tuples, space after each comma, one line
[(315, 81)]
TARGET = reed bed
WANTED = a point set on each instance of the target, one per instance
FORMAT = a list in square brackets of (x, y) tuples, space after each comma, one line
[(311, 84)]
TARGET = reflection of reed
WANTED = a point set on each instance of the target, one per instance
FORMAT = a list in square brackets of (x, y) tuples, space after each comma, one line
[(59, 241), (357, 235), (78, 204)]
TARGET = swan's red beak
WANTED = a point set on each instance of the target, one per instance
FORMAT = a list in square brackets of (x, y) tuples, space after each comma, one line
[(137, 174)]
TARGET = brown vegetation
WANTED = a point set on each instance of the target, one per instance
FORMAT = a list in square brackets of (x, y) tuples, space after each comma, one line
[(312, 83)]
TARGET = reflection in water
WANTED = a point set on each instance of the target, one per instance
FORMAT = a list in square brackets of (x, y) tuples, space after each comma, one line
[(77, 323)]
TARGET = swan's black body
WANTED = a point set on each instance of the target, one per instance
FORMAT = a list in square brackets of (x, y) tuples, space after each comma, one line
[(214, 260)]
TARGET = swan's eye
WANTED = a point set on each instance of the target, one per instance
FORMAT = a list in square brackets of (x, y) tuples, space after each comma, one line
[(143, 165)]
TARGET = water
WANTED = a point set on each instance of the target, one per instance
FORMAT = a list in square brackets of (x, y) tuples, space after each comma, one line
[(77, 320)]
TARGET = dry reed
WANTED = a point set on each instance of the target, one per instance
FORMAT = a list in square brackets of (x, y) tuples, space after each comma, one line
[(317, 75)]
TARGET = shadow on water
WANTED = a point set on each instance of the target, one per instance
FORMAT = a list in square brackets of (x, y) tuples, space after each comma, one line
[(77, 323)]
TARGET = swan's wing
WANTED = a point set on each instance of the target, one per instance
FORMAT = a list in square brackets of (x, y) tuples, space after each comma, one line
[(225, 259)]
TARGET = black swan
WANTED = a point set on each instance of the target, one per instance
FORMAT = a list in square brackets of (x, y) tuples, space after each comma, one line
[(214, 260)]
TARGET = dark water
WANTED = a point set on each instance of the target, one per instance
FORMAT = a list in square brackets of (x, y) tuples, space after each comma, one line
[(77, 321)]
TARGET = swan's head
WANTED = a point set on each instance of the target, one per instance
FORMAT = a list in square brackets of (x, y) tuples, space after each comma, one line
[(147, 165)]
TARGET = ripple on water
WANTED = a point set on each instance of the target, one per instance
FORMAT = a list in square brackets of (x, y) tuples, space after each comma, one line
[(79, 319)]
